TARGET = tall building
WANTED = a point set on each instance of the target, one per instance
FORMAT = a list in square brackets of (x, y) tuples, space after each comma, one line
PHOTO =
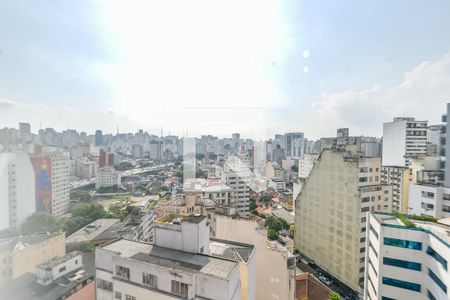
[(52, 183), (369, 146), (183, 263), (107, 177), (331, 212), (98, 138), (290, 138), (106, 158), (399, 177), (435, 133), (403, 137), (430, 190), (17, 189), (404, 261), (136, 150), (25, 132), (155, 150), (235, 174)]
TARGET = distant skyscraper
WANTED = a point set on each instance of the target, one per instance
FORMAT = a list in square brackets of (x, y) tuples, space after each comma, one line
[(402, 138), (25, 132), (17, 195), (290, 137), (98, 138), (106, 158)]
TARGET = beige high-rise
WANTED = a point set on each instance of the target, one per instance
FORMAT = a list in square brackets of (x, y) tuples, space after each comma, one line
[(331, 212)]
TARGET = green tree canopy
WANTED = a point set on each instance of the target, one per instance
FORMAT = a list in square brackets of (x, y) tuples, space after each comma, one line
[(272, 234), (40, 222)]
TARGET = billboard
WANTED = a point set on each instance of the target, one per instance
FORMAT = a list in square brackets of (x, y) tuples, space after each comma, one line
[(43, 173)]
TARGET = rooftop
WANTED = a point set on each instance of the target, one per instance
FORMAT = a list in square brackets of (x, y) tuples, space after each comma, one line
[(173, 259), (230, 250), (439, 229), (91, 231), (59, 260), (26, 286), (22, 242)]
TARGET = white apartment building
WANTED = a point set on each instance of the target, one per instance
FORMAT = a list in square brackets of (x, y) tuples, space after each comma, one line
[(406, 262), (277, 184), (182, 263), (17, 189), (236, 175), (107, 177), (429, 200), (403, 137), (399, 178), (330, 211), (305, 164), (434, 134)]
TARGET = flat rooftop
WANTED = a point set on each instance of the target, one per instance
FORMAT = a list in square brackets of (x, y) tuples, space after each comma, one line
[(26, 286), (172, 259), (230, 249), (57, 260), (91, 231), (439, 229), (22, 242)]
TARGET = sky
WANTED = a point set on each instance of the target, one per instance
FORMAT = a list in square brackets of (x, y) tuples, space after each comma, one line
[(194, 67)]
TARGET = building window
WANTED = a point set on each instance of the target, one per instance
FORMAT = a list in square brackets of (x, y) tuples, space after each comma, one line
[(104, 285), (179, 288), (128, 297), (401, 284), (402, 264), (436, 256), (123, 272), (427, 194), (403, 243), (62, 269), (437, 280), (150, 280), (118, 295)]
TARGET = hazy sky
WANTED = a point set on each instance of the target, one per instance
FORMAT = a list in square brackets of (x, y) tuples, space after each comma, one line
[(253, 66)]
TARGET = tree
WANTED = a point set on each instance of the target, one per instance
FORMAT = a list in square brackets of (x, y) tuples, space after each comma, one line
[(272, 234), (284, 224), (334, 296), (273, 223), (294, 168), (266, 199), (252, 204), (81, 195), (124, 166), (40, 222)]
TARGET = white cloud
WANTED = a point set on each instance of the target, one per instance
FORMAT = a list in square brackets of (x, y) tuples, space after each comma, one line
[(200, 65), (422, 93)]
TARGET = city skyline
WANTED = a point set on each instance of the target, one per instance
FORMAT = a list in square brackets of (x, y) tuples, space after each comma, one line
[(277, 67)]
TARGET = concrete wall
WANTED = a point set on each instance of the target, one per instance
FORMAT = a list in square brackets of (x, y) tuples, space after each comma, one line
[(25, 260), (394, 143), (273, 279)]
